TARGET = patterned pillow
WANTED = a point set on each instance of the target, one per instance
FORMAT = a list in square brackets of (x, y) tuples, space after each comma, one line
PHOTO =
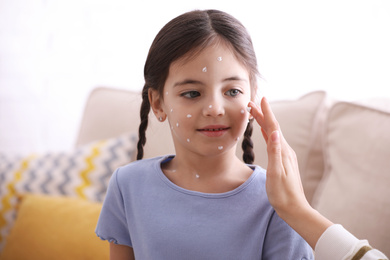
[(83, 173)]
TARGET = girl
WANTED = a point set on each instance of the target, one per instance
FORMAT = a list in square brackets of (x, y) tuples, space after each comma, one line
[(203, 202)]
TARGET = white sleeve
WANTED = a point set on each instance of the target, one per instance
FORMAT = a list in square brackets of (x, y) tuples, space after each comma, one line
[(338, 244)]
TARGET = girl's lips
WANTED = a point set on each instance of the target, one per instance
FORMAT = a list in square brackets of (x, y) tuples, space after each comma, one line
[(214, 130)]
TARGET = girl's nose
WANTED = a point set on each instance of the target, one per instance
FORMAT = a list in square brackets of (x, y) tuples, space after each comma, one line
[(214, 108)]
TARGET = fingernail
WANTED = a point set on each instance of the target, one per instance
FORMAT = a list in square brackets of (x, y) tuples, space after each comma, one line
[(275, 136)]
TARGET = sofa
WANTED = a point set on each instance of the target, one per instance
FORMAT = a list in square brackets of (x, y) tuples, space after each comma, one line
[(50, 203)]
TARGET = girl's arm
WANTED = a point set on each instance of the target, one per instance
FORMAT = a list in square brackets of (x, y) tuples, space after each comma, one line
[(121, 252), (284, 186)]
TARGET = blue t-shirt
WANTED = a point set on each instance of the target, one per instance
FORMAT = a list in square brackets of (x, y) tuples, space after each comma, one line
[(143, 209)]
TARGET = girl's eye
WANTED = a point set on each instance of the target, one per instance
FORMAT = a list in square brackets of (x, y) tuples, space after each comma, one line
[(233, 92), (190, 94)]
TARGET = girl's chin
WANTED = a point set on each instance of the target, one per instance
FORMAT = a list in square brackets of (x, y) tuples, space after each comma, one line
[(210, 148)]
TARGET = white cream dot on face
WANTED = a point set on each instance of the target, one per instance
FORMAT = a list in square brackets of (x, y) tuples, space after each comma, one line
[(242, 111), (197, 176), (166, 93), (177, 124), (204, 69), (237, 138), (189, 116), (219, 58), (211, 106), (171, 110), (220, 147), (188, 140)]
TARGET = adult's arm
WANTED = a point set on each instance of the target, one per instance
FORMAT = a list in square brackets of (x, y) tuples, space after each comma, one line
[(286, 195)]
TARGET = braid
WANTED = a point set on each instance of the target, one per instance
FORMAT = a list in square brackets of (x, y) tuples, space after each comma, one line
[(144, 116), (247, 144)]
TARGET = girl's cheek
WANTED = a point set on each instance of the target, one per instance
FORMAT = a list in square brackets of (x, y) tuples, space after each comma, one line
[(180, 124), (245, 115), (178, 118)]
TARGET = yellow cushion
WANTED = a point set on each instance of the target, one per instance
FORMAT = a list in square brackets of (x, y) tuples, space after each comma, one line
[(55, 228)]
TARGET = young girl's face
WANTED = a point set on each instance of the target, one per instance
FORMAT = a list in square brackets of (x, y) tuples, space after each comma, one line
[(205, 100)]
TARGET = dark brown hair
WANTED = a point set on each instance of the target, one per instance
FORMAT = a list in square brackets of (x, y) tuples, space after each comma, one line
[(188, 34)]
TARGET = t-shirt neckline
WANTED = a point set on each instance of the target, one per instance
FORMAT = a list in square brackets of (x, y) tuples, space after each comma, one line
[(172, 185)]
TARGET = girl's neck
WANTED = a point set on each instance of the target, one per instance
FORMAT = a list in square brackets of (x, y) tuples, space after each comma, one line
[(211, 174)]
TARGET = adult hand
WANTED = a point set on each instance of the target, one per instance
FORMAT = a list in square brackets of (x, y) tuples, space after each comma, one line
[(283, 184)]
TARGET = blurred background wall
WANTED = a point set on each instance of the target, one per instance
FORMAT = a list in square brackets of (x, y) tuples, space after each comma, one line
[(53, 53)]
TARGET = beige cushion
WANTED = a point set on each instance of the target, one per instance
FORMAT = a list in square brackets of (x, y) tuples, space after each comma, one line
[(110, 112), (301, 121), (355, 192)]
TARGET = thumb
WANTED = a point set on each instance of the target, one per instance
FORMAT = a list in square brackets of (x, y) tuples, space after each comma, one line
[(274, 150)]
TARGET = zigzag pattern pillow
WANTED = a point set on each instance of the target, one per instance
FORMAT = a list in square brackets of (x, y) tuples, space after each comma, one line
[(82, 173)]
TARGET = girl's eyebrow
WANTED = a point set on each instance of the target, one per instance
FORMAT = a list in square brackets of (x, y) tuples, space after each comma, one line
[(188, 81), (197, 82), (234, 78)]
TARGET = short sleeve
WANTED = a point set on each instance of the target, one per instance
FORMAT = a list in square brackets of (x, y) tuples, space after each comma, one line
[(282, 242), (112, 224)]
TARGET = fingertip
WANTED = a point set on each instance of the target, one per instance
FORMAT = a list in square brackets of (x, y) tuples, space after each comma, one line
[(252, 104), (253, 108)]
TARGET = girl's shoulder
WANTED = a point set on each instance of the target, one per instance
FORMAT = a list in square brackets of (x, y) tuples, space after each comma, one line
[(148, 162), (140, 168), (261, 172)]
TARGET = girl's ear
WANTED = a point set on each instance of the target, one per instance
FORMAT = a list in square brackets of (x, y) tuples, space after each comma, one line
[(156, 104)]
